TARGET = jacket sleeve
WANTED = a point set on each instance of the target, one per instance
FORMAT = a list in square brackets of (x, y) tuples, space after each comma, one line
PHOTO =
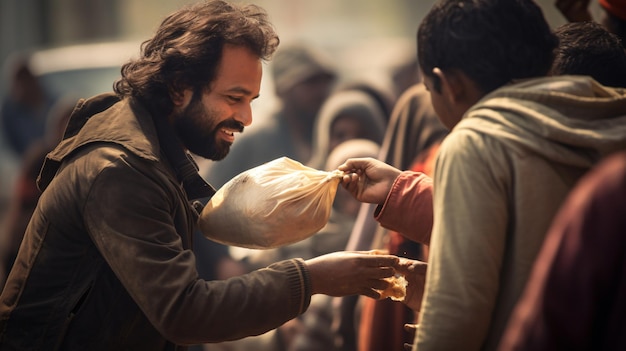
[(411, 194), (129, 214), (467, 246)]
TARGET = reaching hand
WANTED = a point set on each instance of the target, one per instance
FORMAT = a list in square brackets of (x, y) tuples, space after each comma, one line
[(346, 273), (368, 180), (415, 274), (574, 10)]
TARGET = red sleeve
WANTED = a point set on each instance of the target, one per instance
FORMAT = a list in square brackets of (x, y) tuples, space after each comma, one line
[(408, 208)]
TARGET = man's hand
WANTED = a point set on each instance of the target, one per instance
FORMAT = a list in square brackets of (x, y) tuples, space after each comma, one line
[(351, 273), (415, 274), (367, 179)]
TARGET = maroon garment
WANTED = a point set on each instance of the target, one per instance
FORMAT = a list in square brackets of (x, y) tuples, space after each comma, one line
[(383, 326), (576, 296)]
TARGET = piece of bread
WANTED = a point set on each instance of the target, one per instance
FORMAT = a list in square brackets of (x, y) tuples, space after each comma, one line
[(397, 290)]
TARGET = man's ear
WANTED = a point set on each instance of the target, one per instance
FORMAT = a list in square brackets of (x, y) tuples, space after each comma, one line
[(180, 96), (458, 87), (451, 84), (177, 96)]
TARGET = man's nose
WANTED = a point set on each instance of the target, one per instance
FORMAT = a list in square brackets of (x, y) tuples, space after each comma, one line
[(244, 115)]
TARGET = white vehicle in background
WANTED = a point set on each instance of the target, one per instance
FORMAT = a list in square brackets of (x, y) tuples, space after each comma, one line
[(80, 70), (83, 70)]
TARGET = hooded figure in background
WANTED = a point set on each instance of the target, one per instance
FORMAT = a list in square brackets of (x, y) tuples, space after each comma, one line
[(347, 114)]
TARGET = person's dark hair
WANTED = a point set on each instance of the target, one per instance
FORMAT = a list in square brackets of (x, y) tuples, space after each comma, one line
[(615, 25), (587, 48), (492, 41), (186, 50)]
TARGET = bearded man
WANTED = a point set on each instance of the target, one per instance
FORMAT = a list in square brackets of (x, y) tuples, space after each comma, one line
[(106, 262)]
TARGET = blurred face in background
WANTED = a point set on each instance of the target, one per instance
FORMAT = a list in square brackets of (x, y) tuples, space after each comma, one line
[(346, 127), (306, 97)]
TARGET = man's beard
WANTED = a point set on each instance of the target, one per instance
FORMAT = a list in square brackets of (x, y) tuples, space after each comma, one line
[(193, 128)]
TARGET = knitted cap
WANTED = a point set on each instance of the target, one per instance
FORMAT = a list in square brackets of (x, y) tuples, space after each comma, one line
[(296, 63)]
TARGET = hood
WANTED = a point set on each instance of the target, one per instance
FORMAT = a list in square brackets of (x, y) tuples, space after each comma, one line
[(355, 104), (106, 118), (571, 120), (103, 118)]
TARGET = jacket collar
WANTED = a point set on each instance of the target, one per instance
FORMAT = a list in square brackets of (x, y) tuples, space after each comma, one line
[(107, 118)]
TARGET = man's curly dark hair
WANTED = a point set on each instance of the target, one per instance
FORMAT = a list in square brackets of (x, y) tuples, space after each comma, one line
[(186, 50)]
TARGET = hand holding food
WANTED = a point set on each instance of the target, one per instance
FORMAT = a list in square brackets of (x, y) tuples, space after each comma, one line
[(414, 272), (347, 273)]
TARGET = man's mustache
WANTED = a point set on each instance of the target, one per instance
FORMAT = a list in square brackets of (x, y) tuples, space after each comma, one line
[(232, 124)]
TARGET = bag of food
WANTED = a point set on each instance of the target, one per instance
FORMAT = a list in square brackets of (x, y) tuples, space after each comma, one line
[(274, 204)]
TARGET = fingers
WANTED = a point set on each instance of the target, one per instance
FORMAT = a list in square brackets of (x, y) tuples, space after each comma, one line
[(352, 182), (379, 284), (350, 178), (352, 187), (354, 165), (382, 258), (372, 288), (371, 293), (378, 252), (411, 328), (407, 266), (383, 272)]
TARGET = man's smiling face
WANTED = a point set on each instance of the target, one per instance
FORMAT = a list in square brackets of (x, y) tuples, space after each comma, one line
[(206, 121)]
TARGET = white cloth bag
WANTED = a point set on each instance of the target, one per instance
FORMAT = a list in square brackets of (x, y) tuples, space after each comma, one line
[(274, 204)]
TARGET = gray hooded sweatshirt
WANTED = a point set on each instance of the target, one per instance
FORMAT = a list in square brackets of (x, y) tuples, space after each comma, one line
[(500, 177)]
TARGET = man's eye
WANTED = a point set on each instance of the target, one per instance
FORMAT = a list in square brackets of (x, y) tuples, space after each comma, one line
[(234, 98)]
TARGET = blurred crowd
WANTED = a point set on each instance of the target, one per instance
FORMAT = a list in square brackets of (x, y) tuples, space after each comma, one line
[(320, 119)]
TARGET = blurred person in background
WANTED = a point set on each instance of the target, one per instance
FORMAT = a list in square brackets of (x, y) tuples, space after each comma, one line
[(417, 134), (25, 108), (613, 16), (351, 113), (382, 94), (587, 48), (26, 194), (575, 297), (106, 261), (411, 137), (303, 79)]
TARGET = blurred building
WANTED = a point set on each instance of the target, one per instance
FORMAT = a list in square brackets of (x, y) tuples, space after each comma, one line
[(44, 23)]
